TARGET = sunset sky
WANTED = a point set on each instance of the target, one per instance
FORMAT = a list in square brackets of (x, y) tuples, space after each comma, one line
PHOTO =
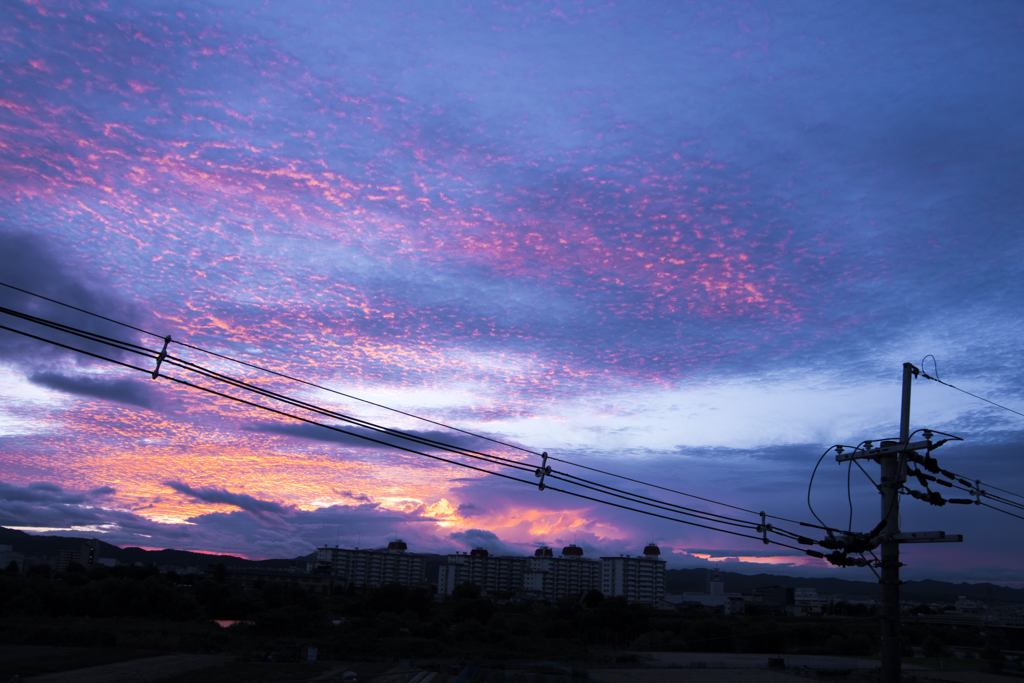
[(689, 243)]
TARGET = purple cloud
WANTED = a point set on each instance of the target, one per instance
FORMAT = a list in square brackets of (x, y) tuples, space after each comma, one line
[(570, 227), (480, 538), (239, 500), (127, 391)]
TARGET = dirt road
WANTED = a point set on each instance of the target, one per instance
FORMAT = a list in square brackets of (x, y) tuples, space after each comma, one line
[(136, 670)]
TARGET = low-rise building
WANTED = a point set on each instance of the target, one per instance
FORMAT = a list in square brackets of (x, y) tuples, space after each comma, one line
[(250, 579), (714, 598), (806, 601)]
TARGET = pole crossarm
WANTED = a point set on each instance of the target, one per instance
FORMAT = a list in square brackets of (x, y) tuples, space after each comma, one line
[(887, 448), (927, 537)]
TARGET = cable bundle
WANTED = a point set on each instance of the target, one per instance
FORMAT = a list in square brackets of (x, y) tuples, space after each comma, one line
[(163, 364)]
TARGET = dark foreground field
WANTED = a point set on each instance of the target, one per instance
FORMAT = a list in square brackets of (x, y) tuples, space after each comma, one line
[(165, 625)]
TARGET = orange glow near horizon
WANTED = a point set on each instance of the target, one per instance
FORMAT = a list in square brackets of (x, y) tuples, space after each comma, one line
[(753, 559)]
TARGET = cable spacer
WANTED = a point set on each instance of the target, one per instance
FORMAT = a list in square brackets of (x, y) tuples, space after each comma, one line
[(160, 358), (542, 471), (978, 493), (764, 528)]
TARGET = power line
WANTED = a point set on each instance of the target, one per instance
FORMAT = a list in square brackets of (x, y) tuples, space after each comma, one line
[(651, 502), (85, 334), (644, 483), (682, 493), (384, 430), (80, 310), (71, 348), (479, 469), (1009, 493), (354, 398), (337, 429), (239, 384), (1005, 512), (578, 481), (980, 398), (643, 500), (263, 369), (635, 498), (965, 480), (961, 482)]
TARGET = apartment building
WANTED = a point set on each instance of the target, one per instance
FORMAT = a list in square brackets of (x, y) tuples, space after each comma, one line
[(551, 578), (372, 568), (494, 575), (543, 576), (640, 579)]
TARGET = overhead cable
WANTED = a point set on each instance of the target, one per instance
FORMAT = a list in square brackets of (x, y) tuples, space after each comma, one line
[(980, 398), (490, 459), (656, 486), (80, 310), (397, 433), (269, 371)]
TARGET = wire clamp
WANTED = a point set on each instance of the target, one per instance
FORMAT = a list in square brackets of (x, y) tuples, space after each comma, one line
[(977, 492), (764, 528), (160, 358), (542, 471)]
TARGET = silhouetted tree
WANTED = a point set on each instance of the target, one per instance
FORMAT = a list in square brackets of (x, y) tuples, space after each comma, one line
[(593, 598), (466, 591)]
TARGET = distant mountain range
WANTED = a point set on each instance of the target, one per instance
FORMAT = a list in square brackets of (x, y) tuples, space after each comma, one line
[(676, 580), (693, 580), (28, 544)]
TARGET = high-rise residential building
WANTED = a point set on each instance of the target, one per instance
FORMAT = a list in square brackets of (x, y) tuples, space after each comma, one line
[(544, 576), (372, 568), (639, 579), (87, 555), (553, 578), (494, 575)]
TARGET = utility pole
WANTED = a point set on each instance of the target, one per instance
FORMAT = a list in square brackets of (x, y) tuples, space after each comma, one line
[(893, 458), (890, 607)]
